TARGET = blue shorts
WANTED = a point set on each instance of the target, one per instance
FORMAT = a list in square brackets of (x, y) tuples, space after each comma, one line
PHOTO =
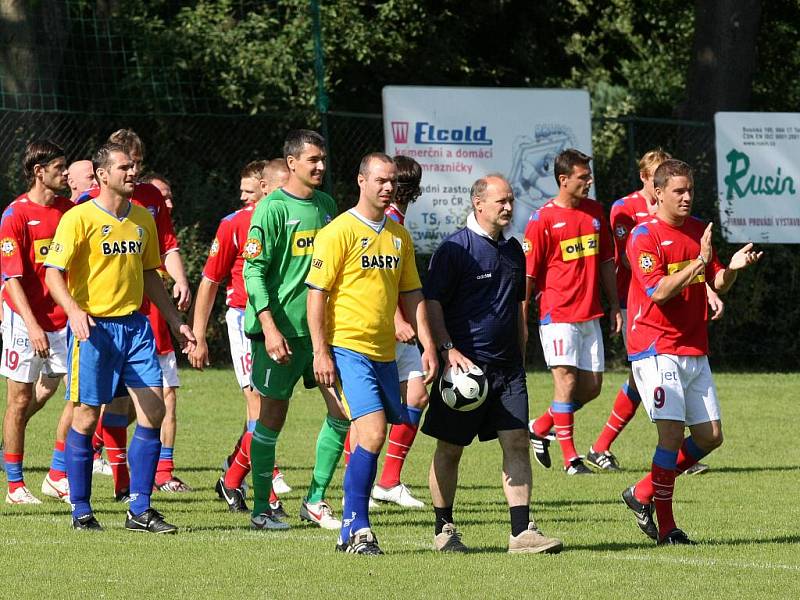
[(366, 386), (120, 351)]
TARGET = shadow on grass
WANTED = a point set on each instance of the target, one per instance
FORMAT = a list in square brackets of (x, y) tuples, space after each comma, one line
[(781, 539), (780, 469)]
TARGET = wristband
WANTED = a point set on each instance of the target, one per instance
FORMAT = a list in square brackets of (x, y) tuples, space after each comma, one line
[(702, 260)]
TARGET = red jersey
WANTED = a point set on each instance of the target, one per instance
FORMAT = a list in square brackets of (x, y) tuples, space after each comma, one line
[(395, 214), (678, 326), (626, 214), (225, 259), (26, 231), (564, 248)]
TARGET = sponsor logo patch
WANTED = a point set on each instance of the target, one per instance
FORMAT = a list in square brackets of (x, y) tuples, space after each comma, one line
[(303, 242), (214, 248), (647, 262), (40, 249), (580, 247), (252, 248), (679, 266)]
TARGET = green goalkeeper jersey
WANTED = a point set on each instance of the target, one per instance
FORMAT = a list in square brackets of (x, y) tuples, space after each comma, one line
[(278, 256)]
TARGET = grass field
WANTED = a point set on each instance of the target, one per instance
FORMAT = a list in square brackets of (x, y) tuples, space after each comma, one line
[(743, 512)]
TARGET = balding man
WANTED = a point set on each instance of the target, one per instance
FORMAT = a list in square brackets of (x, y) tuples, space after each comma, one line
[(474, 290), (80, 177)]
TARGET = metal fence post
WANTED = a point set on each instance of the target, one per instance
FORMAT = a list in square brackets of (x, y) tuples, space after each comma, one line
[(322, 96)]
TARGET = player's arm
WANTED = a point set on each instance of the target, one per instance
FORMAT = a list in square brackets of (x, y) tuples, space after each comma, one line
[(413, 304), (403, 331), (715, 303), (79, 321), (324, 370), (203, 304), (608, 279), (535, 248), (744, 257), (154, 289), (621, 225), (173, 263), (37, 335), (453, 358)]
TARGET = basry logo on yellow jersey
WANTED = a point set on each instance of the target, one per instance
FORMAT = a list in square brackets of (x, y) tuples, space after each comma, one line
[(673, 268), (379, 261), (580, 247), (303, 242), (40, 249), (121, 247)]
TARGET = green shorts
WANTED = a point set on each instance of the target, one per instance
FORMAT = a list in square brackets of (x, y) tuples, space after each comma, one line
[(277, 381)]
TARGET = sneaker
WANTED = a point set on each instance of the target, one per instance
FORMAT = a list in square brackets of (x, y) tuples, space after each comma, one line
[(449, 540), (123, 496), (268, 520), (150, 520), (22, 495), (101, 466), (362, 541), (278, 510), (605, 461), (174, 485), (232, 496), (399, 494), (279, 485), (533, 541), (86, 523), (541, 447), (576, 467), (643, 512), (696, 469), (56, 489), (676, 537), (319, 513)]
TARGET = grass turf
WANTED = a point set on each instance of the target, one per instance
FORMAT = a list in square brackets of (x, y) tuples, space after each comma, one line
[(743, 513)]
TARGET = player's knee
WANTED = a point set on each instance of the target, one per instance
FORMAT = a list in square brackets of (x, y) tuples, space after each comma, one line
[(448, 453), (372, 439)]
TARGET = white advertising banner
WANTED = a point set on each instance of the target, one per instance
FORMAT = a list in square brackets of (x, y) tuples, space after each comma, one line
[(758, 176), (461, 134)]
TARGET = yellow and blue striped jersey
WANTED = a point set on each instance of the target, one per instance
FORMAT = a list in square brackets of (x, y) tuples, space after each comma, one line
[(105, 257)]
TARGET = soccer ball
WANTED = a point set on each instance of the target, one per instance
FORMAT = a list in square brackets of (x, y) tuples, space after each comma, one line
[(463, 391)]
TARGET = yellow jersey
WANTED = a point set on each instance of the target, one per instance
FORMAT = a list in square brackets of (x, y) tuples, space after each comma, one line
[(105, 257), (363, 270)]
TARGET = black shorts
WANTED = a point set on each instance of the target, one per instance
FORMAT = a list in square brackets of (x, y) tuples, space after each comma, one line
[(505, 409)]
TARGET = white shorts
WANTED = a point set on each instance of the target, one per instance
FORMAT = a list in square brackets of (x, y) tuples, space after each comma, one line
[(240, 346), (169, 370), (677, 388), (19, 361), (409, 361), (573, 345), (624, 312)]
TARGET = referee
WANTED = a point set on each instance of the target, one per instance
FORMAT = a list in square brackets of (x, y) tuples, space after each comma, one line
[(474, 291)]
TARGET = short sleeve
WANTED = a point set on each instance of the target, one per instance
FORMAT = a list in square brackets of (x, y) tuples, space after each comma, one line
[(152, 254), (647, 263), (167, 240), (621, 225), (409, 277), (65, 242), (11, 241), (440, 282), (328, 258), (535, 245), (221, 254), (606, 241)]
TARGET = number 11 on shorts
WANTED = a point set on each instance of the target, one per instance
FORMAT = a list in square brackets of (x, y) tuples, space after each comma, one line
[(558, 347)]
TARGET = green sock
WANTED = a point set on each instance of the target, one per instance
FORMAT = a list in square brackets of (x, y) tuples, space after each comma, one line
[(330, 444), (262, 459)]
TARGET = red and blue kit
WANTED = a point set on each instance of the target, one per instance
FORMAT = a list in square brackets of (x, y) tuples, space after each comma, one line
[(626, 214), (225, 258), (655, 250), (564, 248), (395, 214), (26, 231)]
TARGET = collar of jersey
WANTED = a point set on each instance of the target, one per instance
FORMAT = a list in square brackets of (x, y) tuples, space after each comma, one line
[(376, 226), (293, 197), (130, 204), (474, 227)]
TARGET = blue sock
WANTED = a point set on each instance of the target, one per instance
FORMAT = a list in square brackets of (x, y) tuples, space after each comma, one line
[(414, 415), (166, 453), (143, 460), (79, 455), (251, 425), (358, 480), (59, 461), (13, 469)]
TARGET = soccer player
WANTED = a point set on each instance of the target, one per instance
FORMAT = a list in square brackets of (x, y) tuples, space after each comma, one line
[(671, 260), (109, 250), (363, 266), (409, 361), (569, 255), (277, 259), (80, 177), (34, 326), (475, 289), (225, 260)]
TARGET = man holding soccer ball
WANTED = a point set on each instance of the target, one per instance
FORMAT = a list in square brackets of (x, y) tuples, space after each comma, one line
[(474, 290)]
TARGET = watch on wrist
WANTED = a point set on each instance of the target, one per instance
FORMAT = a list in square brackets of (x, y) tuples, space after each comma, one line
[(446, 346)]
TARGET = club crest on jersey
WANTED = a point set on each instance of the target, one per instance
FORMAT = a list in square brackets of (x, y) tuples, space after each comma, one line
[(105, 230), (647, 262), (398, 243), (620, 231), (364, 242), (152, 211), (328, 219), (140, 232), (527, 246), (252, 248), (214, 248), (8, 246), (596, 224)]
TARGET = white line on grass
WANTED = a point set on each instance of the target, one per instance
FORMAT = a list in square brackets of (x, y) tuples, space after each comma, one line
[(708, 562)]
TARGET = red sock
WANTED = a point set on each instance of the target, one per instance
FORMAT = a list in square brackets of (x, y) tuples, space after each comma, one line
[(400, 439), (276, 471), (240, 466), (623, 411), (55, 474), (544, 424), (97, 438), (232, 455), (687, 458), (116, 443), (644, 488), (164, 470), (273, 497), (565, 424), (664, 485), (347, 449)]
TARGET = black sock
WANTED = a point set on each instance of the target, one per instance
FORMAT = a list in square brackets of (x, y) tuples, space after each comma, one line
[(520, 517), (444, 516)]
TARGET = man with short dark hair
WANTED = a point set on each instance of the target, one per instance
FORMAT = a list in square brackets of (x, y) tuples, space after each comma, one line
[(475, 289), (672, 259), (569, 257)]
